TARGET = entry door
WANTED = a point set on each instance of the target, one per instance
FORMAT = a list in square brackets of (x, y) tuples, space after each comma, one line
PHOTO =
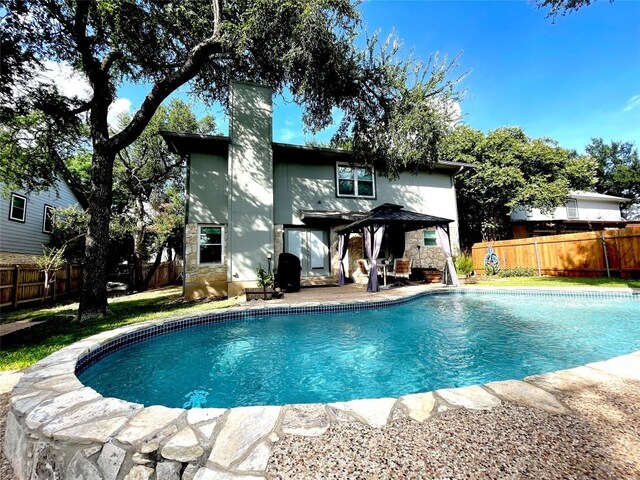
[(312, 248)]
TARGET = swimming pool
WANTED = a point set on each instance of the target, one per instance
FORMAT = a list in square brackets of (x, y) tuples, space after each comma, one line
[(434, 341)]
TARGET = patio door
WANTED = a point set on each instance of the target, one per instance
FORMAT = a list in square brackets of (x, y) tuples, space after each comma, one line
[(311, 247)]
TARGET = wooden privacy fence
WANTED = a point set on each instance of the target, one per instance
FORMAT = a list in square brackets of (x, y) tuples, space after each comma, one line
[(166, 273), (21, 284), (586, 254)]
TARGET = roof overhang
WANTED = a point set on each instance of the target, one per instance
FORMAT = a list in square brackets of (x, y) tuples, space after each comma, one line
[(186, 143), (321, 217)]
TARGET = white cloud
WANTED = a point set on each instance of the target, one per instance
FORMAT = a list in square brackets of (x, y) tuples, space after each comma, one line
[(70, 83), (74, 85), (117, 108), (633, 102), (288, 134)]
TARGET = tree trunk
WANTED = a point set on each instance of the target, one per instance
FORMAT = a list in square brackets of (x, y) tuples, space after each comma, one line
[(93, 299), (154, 267), (138, 246)]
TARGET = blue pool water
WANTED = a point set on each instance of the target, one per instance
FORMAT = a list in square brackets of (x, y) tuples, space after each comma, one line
[(428, 343)]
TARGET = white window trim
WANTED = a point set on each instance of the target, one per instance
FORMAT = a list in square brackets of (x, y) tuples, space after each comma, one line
[(577, 216), (11, 217), (355, 180), (204, 225), (44, 218)]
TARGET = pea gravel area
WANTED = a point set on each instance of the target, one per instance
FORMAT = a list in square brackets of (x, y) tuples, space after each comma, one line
[(6, 472), (599, 439)]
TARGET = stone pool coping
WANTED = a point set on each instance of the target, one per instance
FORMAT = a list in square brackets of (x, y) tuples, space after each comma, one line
[(57, 426)]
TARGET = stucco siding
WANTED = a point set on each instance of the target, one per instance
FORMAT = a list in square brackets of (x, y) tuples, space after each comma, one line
[(300, 186), (27, 237), (208, 189)]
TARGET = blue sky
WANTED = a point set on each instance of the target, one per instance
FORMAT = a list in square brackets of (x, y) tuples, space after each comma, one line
[(571, 79)]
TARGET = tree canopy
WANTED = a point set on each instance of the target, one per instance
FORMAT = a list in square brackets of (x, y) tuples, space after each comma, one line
[(618, 171), (306, 46), (512, 170), (563, 7)]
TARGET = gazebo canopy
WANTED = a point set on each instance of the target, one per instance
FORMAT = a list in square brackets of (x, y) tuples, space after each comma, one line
[(395, 217)]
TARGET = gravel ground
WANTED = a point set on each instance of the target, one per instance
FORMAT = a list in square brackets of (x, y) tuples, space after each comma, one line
[(599, 439), (6, 472)]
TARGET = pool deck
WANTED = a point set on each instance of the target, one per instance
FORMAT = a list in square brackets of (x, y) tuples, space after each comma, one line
[(577, 423)]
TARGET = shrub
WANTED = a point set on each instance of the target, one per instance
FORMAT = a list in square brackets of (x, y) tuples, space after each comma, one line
[(463, 264), (517, 272)]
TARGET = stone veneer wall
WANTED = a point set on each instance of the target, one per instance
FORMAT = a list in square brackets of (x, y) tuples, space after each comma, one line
[(423, 257), (203, 281)]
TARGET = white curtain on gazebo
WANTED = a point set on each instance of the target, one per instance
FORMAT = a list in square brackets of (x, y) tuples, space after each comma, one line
[(373, 236), (443, 238)]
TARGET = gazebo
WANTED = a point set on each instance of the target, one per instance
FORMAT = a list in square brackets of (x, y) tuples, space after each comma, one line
[(373, 226)]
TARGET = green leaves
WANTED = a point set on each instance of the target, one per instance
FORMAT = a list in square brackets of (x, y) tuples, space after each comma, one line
[(618, 169), (512, 171)]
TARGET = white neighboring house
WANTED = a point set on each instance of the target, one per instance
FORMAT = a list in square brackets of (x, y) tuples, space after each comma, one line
[(26, 221), (584, 211)]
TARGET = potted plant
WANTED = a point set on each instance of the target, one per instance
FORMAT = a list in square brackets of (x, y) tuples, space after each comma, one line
[(464, 265), (265, 286)]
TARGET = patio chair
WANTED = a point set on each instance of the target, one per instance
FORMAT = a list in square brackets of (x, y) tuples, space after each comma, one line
[(361, 274), (401, 268)]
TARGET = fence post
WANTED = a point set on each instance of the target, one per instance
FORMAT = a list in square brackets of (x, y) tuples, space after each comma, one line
[(16, 273), (68, 280), (606, 256), (535, 242)]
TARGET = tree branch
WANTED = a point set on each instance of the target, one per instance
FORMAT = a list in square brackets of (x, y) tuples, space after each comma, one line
[(109, 59), (163, 88)]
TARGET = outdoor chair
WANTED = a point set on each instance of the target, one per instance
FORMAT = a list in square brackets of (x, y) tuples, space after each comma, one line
[(361, 273), (401, 268)]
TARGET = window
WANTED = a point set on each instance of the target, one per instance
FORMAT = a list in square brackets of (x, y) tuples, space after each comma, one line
[(48, 219), (355, 181), (572, 208), (210, 244), (18, 208), (429, 237)]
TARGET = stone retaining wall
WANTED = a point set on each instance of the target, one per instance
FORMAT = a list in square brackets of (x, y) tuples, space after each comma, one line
[(58, 428)]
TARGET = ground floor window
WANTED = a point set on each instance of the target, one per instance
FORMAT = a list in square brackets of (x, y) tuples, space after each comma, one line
[(429, 237), (210, 243)]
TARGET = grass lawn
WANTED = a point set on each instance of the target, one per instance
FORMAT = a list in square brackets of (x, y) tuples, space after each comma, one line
[(24, 348), (558, 282)]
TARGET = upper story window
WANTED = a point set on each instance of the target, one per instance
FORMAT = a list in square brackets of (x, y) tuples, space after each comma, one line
[(429, 237), (210, 241), (48, 219), (572, 208), (355, 181), (18, 208)]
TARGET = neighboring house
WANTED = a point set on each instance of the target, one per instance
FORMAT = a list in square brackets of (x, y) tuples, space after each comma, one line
[(250, 199), (26, 221), (584, 211)]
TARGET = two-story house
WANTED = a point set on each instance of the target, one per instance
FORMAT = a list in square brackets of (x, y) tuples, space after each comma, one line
[(250, 199), (26, 221), (583, 212)]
